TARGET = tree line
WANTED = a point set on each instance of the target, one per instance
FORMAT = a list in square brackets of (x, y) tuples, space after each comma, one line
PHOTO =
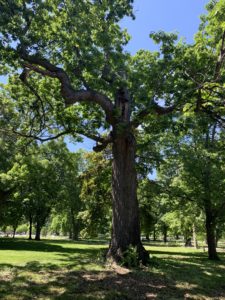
[(45, 187)]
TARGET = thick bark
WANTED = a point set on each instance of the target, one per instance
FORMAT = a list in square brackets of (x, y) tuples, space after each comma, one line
[(125, 223), (211, 238)]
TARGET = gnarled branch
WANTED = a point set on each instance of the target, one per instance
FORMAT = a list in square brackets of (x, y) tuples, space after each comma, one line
[(71, 96)]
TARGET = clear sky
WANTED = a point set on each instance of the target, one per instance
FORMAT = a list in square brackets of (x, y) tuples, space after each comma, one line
[(181, 16)]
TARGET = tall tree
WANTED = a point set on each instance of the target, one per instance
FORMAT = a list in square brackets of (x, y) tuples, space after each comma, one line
[(79, 46), (76, 76)]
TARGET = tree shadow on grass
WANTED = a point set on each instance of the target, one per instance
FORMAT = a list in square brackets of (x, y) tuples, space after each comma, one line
[(25, 245), (192, 277), (44, 246), (79, 241), (191, 255), (164, 279), (171, 275), (162, 244), (46, 281), (51, 282)]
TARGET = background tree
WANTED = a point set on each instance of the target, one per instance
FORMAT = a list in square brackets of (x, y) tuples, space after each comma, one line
[(195, 171), (87, 42), (65, 217), (96, 195)]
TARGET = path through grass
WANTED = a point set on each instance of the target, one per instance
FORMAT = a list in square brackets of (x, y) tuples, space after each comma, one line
[(65, 270)]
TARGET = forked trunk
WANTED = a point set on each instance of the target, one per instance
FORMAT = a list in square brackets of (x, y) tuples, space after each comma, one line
[(125, 223)]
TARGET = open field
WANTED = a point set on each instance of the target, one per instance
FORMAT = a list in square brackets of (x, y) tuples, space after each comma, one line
[(56, 269)]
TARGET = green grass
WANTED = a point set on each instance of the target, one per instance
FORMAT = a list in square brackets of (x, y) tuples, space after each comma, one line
[(57, 269)]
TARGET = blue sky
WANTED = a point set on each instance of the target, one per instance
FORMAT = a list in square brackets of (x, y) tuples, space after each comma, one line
[(181, 16)]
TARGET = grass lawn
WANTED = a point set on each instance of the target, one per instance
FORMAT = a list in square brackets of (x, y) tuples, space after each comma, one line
[(56, 269)]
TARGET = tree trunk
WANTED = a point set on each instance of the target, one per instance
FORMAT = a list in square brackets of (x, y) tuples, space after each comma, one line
[(14, 231), (210, 218), (211, 238), (75, 232), (30, 227), (125, 222), (74, 226), (188, 242), (165, 231), (38, 232)]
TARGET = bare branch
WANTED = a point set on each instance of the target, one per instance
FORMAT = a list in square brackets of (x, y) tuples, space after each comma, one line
[(102, 142), (36, 137)]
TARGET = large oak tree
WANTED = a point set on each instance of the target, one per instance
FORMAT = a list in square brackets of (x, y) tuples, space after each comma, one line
[(76, 77)]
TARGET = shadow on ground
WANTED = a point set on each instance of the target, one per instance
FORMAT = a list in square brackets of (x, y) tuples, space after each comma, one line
[(44, 245), (170, 276)]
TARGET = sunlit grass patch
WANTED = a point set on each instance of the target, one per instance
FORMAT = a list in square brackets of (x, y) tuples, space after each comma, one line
[(54, 269)]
